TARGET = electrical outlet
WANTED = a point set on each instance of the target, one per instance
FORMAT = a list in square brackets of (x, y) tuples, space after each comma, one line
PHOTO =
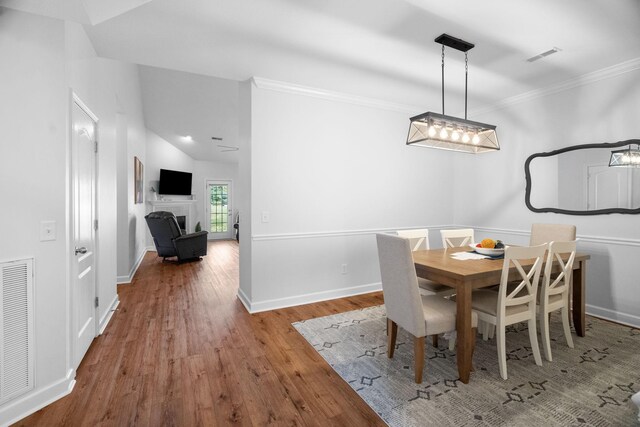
[(265, 216), (344, 269)]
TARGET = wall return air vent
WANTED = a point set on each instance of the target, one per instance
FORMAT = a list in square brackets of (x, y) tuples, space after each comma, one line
[(16, 328)]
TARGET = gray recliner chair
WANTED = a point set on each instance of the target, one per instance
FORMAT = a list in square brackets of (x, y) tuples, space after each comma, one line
[(170, 241)]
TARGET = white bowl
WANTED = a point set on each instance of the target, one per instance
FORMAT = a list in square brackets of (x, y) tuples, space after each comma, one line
[(487, 251)]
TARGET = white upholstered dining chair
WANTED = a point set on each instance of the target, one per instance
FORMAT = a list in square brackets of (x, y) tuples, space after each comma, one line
[(420, 315), (457, 238), (545, 233), (554, 292), (513, 304), (419, 240)]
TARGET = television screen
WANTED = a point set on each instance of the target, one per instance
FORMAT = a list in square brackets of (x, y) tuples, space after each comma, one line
[(174, 182)]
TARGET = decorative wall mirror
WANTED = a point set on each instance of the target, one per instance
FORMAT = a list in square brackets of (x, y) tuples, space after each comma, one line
[(589, 179)]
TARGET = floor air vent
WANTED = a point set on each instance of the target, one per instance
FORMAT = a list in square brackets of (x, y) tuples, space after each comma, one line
[(16, 328)]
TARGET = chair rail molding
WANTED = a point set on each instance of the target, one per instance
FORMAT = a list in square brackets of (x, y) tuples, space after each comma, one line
[(338, 233)]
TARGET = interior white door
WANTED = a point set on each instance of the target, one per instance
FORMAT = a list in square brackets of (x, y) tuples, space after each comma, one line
[(219, 211), (83, 171), (608, 187)]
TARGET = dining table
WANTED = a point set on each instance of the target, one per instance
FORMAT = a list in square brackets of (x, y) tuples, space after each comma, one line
[(466, 275)]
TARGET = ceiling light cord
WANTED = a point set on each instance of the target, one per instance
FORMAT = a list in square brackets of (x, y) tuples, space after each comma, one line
[(443, 79), (466, 78)]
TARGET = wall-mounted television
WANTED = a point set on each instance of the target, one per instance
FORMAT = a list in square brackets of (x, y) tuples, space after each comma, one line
[(175, 182)]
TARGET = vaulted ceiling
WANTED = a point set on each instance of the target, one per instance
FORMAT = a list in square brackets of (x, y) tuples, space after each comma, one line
[(380, 49)]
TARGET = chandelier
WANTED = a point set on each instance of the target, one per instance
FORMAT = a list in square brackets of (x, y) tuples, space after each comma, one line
[(435, 130), (628, 157)]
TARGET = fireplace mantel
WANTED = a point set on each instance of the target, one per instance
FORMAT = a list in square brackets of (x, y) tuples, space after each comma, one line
[(155, 203)]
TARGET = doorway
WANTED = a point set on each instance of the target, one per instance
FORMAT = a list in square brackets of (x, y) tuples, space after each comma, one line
[(84, 126), (218, 209)]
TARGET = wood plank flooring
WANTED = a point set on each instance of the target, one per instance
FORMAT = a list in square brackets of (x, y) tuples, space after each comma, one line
[(182, 351)]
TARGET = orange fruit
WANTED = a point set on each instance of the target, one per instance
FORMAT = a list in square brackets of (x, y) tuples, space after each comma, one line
[(488, 243)]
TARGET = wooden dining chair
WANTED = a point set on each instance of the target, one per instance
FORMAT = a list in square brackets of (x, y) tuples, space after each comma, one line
[(454, 239), (513, 305), (419, 240), (419, 315), (554, 292), (457, 238), (545, 233)]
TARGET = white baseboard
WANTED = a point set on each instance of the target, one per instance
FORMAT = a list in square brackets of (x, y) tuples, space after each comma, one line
[(106, 318), (614, 316), (122, 280), (244, 300), (21, 407), (273, 304)]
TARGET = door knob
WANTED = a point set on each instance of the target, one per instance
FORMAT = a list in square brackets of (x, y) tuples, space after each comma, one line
[(81, 250)]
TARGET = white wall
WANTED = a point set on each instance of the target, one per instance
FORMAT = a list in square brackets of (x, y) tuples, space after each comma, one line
[(490, 191), (243, 203), (112, 90), (212, 171), (54, 58), (33, 170), (329, 173)]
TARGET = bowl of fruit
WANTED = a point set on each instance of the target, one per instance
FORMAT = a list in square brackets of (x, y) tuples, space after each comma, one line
[(489, 247)]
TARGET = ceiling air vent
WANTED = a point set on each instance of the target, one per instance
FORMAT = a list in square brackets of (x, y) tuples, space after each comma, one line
[(543, 54)]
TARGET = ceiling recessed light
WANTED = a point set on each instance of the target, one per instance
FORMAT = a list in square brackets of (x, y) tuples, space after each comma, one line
[(543, 54), (187, 138)]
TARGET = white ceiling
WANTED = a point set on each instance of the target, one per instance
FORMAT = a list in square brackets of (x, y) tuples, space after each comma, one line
[(178, 104), (380, 49)]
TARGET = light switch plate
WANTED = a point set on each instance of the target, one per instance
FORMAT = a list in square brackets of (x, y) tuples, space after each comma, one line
[(47, 230)]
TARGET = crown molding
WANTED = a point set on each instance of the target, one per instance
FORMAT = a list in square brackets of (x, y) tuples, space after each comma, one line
[(584, 79), (292, 88)]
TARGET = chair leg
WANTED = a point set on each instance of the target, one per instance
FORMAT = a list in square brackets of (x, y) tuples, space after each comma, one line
[(434, 339), (392, 333), (452, 340), (544, 332), (474, 332), (418, 350), (492, 330), (502, 351), (533, 337), (484, 327), (565, 325)]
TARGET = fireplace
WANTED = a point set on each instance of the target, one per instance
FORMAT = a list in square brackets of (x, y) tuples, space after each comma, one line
[(182, 209), (182, 222)]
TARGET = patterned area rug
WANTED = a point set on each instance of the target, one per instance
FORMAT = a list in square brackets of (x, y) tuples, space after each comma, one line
[(589, 385)]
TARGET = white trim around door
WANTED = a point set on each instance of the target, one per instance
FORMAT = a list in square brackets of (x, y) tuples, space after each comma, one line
[(219, 223)]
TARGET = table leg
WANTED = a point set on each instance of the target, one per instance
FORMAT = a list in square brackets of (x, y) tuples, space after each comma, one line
[(579, 279), (465, 338)]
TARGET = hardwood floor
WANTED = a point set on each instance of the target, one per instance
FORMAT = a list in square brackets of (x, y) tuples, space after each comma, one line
[(182, 350)]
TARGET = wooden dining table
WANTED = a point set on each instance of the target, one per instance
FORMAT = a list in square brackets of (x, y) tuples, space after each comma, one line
[(465, 275)]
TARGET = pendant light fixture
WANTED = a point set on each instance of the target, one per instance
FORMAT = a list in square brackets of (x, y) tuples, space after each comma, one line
[(452, 133), (628, 158)]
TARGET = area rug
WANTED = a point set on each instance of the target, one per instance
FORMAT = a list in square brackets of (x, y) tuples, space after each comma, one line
[(589, 385)]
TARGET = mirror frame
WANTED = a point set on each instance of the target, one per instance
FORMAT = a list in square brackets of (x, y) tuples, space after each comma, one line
[(527, 173)]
